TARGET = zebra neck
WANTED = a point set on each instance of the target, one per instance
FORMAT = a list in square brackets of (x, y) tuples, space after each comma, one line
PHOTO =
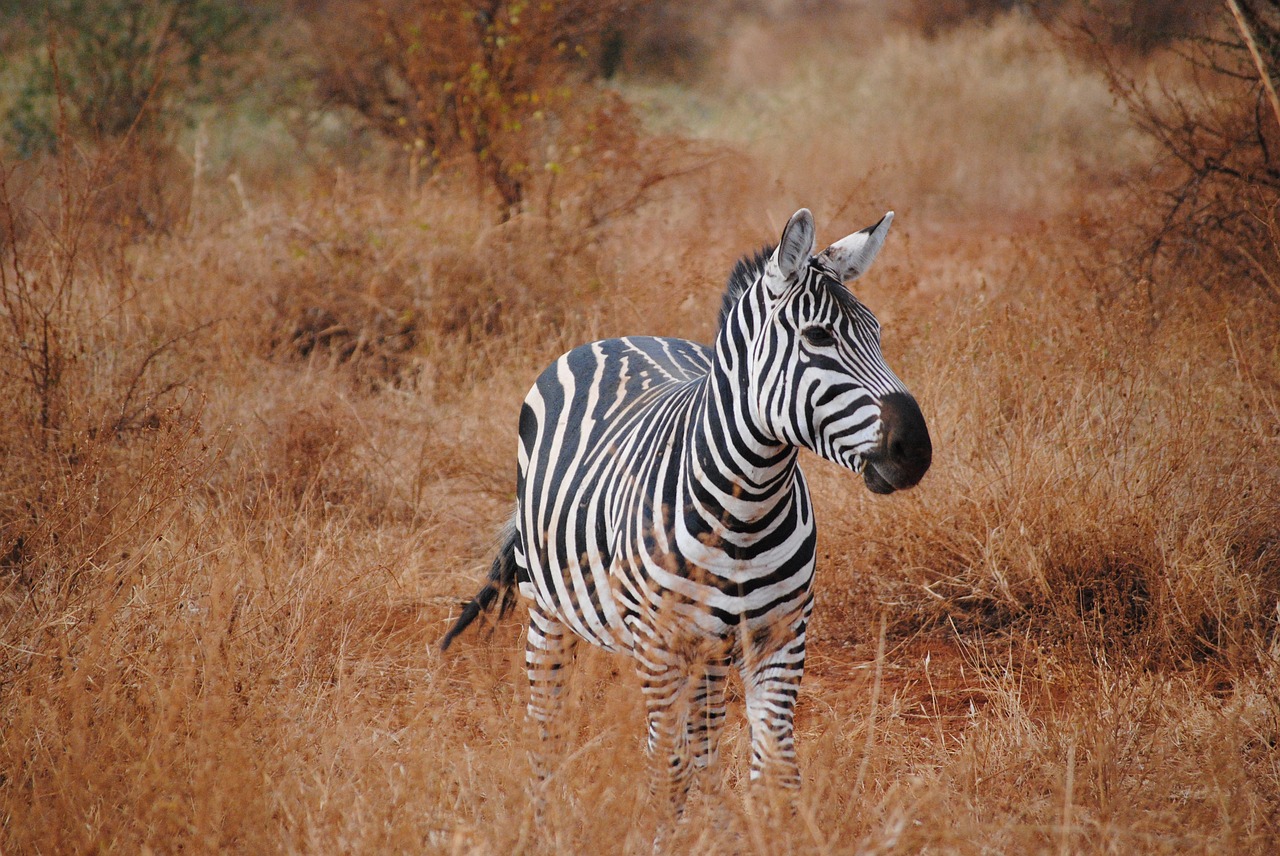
[(736, 472), (729, 446)]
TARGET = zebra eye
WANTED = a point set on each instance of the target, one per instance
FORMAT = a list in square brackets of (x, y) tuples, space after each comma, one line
[(818, 336)]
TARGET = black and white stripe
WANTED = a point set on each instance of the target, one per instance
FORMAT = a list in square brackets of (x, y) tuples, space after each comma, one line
[(661, 511)]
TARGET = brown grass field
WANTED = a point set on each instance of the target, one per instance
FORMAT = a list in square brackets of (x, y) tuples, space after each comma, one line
[(253, 461)]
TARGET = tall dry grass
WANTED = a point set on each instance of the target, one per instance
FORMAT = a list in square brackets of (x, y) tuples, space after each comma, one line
[(220, 613)]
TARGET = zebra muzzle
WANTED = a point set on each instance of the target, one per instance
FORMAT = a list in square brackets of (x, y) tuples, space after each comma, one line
[(904, 452)]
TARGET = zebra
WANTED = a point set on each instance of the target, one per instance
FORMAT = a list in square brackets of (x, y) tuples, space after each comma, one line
[(661, 511)]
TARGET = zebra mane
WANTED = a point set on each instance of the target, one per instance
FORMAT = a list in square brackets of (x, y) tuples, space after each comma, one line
[(745, 274), (750, 268)]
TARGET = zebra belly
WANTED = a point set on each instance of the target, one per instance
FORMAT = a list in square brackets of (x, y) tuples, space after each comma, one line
[(684, 603), (693, 612)]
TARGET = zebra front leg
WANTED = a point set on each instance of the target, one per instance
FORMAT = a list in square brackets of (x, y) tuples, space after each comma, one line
[(665, 684), (772, 683), (706, 723), (549, 645)]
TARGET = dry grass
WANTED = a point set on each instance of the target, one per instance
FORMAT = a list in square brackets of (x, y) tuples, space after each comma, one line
[(220, 615), (991, 124)]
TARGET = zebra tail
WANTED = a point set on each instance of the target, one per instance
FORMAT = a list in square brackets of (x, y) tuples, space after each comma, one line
[(502, 581)]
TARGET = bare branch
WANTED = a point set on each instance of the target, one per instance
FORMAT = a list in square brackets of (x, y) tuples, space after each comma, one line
[(1257, 57)]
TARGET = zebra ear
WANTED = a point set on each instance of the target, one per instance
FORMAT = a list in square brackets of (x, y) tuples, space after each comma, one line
[(796, 245), (850, 257)]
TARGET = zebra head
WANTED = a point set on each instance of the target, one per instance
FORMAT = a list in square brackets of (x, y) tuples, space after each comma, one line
[(821, 381)]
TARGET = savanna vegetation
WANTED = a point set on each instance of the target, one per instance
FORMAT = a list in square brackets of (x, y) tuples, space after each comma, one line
[(274, 279)]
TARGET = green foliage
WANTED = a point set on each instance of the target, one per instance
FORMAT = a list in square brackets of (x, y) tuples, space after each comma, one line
[(109, 67)]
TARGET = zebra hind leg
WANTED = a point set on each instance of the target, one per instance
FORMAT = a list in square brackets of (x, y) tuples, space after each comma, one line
[(706, 720), (549, 646)]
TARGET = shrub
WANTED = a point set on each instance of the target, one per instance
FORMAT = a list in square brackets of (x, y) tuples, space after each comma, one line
[(98, 417), (487, 82), (119, 66), (1216, 189)]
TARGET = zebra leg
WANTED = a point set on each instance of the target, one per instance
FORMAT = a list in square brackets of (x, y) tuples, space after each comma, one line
[(665, 685), (772, 682), (549, 645), (706, 718), (706, 722)]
